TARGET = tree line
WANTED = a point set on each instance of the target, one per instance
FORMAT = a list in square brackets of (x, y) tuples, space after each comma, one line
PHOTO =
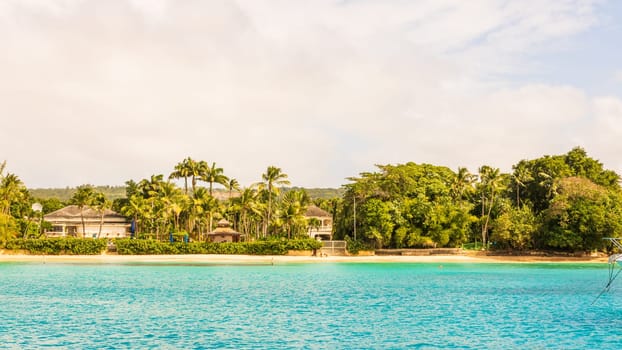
[(158, 206), (565, 202)]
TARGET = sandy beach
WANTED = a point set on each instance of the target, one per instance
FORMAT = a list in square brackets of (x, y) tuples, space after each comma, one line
[(272, 260)]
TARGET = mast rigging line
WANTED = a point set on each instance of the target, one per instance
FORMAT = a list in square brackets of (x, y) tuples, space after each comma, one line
[(613, 259)]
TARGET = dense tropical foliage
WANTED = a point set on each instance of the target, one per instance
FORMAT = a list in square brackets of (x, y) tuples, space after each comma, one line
[(563, 202)]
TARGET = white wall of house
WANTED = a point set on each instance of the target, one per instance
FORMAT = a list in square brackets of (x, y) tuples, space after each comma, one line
[(91, 230), (325, 229)]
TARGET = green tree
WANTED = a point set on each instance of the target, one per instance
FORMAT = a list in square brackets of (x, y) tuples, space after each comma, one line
[(173, 202), (581, 214), (583, 166), (292, 210), (101, 204), (83, 198), (183, 170), (491, 184), (212, 175), (195, 170), (520, 177), (376, 221), (200, 204), (515, 228), (426, 206), (250, 211), (232, 185), (272, 178), (462, 184), (50, 204), (150, 189), (137, 208), (541, 176), (11, 191)]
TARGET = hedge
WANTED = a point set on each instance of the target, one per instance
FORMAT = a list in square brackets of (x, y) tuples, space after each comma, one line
[(59, 246), (142, 247)]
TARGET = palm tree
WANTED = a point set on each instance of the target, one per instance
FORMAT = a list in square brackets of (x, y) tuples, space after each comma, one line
[(294, 205), (137, 208), (199, 204), (491, 184), (273, 177), (151, 187), (10, 191), (520, 177), (83, 198), (249, 207), (213, 175), (550, 183), (183, 170), (149, 190), (462, 183), (173, 202), (194, 170), (131, 188), (101, 204), (232, 185)]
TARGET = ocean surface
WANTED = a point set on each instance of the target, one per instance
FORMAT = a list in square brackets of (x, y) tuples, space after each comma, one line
[(309, 306)]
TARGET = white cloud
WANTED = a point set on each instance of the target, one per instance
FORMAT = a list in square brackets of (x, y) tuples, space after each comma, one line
[(102, 92)]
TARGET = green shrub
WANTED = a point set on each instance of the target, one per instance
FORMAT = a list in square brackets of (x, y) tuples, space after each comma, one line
[(303, 244), (269, 247), (354, 247), (472, 246), (58, 246)]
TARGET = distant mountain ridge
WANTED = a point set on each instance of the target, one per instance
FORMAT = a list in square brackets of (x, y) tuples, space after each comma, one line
[(115, 192)]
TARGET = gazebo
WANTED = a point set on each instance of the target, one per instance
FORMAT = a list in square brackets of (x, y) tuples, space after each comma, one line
[(223, 233)]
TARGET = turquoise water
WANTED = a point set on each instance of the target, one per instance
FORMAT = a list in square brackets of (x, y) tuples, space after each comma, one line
[(314, 306)]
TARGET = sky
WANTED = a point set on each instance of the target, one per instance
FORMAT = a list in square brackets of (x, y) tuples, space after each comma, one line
[(101, 92)]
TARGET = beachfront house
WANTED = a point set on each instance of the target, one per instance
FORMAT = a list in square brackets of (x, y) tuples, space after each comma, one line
[(324, 230), (223, 233), (67, 222)]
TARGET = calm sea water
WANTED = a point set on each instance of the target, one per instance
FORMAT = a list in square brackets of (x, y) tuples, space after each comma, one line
[(315, 306)]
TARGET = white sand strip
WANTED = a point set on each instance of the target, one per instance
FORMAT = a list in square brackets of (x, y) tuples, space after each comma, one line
[(268, 260)]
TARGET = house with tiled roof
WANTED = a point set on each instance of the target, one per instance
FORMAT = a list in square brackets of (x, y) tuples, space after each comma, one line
[(324, 230), (67, 222)]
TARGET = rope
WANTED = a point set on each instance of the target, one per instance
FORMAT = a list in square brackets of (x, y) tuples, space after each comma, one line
[(612, 278)]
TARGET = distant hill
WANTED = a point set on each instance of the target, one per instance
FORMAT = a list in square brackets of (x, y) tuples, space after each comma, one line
[(111, 192), (321, 193), (114, 192)]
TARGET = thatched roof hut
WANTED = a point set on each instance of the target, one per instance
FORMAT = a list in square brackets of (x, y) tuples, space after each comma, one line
[(224, 233)]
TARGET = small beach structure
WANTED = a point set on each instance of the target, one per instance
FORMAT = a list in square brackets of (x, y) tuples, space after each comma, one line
[(67, 222), (325, 230), (223, 233)]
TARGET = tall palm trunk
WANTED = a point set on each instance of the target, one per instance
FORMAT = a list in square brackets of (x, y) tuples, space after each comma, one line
[(83, 224), (485, 228), (101, 223), (269, 210)]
